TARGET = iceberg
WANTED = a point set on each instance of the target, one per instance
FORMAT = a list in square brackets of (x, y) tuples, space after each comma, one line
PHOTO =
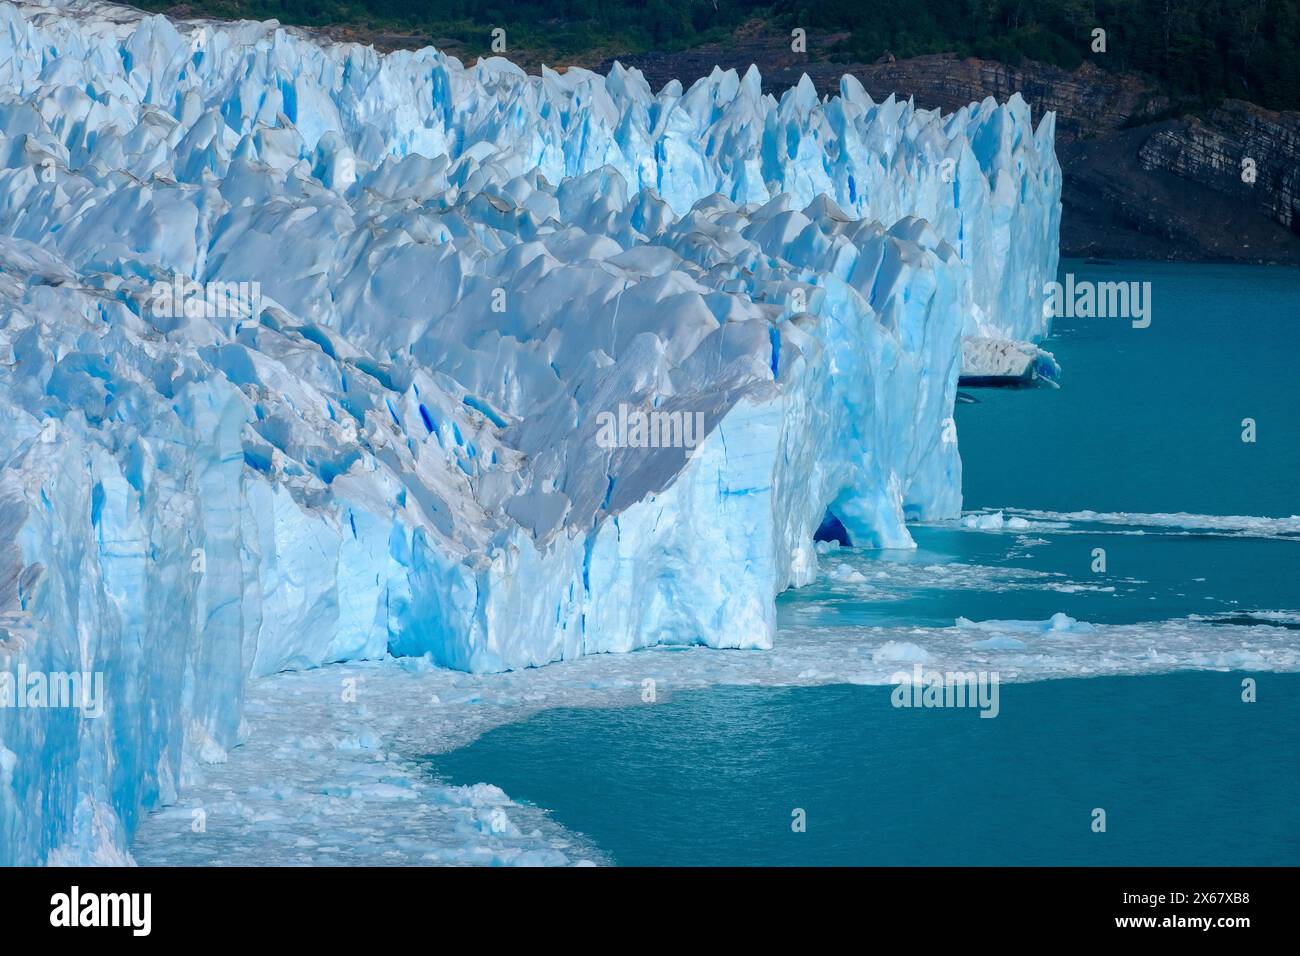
[(308, 354), (1002, 362)]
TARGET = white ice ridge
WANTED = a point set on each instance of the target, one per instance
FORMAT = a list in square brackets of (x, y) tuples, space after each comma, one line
[(455, 278)]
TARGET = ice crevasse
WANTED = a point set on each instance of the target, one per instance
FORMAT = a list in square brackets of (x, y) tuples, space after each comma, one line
[(459, 277)]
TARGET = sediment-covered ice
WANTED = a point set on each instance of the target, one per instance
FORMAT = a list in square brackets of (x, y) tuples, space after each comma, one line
[(310, 354)]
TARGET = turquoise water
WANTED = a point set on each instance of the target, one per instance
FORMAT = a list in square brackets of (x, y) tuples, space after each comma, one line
[(1145, 421), (1149, 419), (1155, 577), (1186, 773)]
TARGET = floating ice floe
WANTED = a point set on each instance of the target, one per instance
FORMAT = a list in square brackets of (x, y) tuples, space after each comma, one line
[(1178, 522), (1000, 521), (1058, 623), (989, 361)]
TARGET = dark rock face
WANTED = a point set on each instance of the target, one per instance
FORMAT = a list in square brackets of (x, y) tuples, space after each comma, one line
[(1240, 150), (1135, 185)]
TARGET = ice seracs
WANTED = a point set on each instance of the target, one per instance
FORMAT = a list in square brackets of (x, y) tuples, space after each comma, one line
[(459, 271)]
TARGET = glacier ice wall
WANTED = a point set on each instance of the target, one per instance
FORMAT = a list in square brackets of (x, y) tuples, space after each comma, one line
[(461, 274)]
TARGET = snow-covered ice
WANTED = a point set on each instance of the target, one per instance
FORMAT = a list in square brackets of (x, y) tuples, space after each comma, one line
[(305, 350)]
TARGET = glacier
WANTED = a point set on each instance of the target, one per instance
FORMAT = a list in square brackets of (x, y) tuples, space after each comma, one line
[(391, 447)]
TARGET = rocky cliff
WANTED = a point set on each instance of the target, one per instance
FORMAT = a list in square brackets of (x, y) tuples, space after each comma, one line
[(1238, 149)]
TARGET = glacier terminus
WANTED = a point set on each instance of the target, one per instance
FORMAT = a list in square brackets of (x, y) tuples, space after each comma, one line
[(309, 354)]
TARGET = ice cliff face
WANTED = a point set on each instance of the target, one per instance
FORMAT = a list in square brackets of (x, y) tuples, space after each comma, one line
[(448, 288)]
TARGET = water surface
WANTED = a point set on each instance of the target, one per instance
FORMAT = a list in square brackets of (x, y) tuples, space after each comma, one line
[(1146, 421), (1186, 773)]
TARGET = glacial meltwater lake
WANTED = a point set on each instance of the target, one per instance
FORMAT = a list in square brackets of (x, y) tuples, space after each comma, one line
[(1137, 456)]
